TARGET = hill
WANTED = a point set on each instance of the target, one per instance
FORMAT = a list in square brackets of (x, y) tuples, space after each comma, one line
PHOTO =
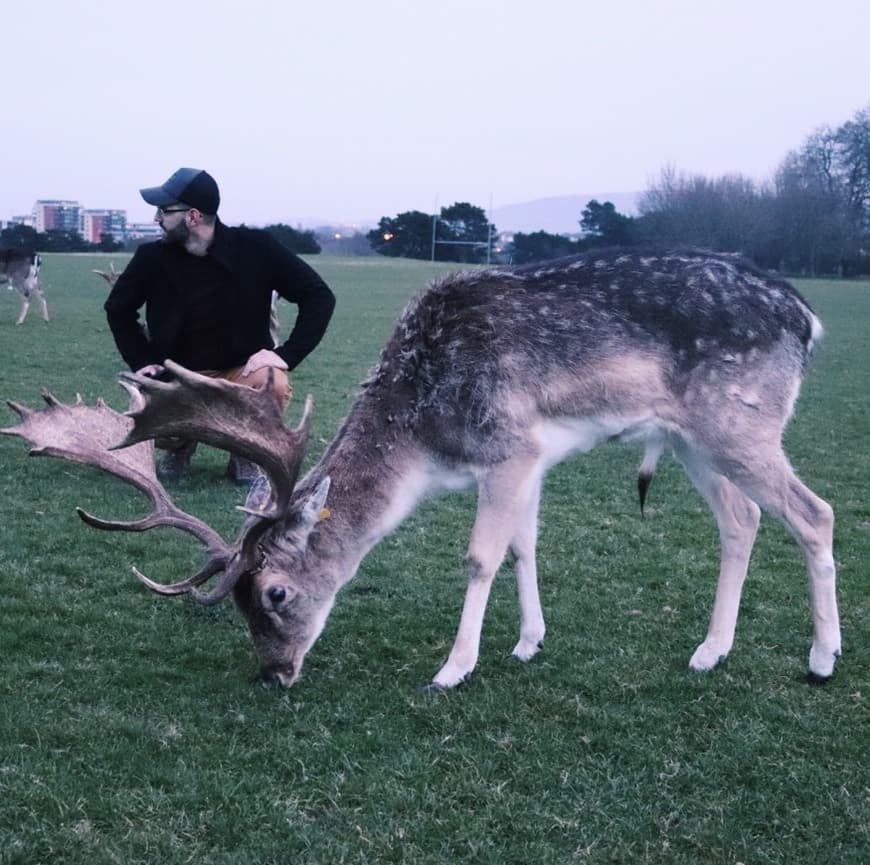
[(559, 214)]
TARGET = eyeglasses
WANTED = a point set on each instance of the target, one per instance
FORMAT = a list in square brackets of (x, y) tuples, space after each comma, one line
[(164, 210)]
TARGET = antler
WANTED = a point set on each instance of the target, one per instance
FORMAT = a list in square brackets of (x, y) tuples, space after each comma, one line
[(242, 420), (245, 421), (111, 277), (84, 434)]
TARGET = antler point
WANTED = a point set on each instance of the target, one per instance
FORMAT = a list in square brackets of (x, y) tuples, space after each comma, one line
[(19, 408)]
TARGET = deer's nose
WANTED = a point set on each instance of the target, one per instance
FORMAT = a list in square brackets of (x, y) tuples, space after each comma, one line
[(278, 677)]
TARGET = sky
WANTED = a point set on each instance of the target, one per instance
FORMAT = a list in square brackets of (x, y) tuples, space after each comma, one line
[(346, 111)]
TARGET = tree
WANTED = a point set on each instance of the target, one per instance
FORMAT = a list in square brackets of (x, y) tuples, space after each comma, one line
[(813, 218), (59, 240), (19, 237), (408, 235), (811, 208), (603, 225), (540, 246), (300, 242), (853, 158), (109, 244), (464, 233), (461, 233), (724, 214)]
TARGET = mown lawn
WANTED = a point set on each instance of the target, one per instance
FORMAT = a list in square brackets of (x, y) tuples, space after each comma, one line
[(131, 730)]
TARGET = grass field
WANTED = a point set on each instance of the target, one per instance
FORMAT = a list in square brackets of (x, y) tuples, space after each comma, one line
[(131, 730)]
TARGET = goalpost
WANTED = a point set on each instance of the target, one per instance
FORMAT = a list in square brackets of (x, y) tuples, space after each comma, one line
[(477, 243)]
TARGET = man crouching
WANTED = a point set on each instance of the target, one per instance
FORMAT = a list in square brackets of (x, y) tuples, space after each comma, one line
[(207, 290)]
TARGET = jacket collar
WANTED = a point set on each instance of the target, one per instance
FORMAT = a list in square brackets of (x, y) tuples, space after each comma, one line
[(223, 245)]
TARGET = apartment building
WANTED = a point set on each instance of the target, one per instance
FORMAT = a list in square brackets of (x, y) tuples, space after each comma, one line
[(95, 223), (54, 215)]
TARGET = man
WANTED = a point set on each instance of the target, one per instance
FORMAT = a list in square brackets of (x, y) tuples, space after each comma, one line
[(207, 292)]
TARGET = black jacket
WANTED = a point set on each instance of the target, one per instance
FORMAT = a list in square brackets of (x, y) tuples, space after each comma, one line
[(257, 264)]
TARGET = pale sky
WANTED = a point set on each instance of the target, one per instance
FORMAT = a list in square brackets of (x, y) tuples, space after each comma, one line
[(351, 110)]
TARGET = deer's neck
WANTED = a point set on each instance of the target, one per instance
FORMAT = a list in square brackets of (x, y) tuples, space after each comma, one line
[(378, 476)]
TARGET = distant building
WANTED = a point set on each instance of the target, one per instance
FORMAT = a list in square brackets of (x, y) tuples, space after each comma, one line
[(95, 223), (22, 219), (144, 231), (56, 216)]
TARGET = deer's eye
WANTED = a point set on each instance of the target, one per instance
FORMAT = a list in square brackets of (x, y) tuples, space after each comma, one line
[(277, 594)]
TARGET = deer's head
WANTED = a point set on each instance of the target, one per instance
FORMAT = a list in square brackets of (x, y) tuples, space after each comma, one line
[(270, 569), (287, 598)]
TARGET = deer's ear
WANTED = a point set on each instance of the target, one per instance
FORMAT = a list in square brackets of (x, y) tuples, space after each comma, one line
[(314, 508)]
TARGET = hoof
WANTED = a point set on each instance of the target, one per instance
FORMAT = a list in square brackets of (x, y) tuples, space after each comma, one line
[(716, 665), (821, 665), (708, 657), (524, 656), (431, 689)]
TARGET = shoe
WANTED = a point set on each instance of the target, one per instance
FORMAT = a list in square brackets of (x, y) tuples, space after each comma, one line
[(174, 463), (243, 472)]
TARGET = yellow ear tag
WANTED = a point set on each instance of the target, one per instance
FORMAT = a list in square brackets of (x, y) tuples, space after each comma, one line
[(324, 514)]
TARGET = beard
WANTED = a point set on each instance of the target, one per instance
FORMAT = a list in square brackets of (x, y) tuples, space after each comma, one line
[(177, 235)]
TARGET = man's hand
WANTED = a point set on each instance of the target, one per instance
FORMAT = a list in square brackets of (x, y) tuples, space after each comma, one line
[(152, 370), (262, 358)]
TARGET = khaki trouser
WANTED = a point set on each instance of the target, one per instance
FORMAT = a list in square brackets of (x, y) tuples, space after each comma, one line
[(257, 380), (280, 385)]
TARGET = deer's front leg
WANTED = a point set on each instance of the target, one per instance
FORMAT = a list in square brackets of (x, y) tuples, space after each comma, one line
[(463, 656), (25, 305), (503, 500), (737, 518)]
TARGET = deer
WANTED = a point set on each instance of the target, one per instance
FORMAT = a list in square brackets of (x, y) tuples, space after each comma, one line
[(491, 378), (20, 268)]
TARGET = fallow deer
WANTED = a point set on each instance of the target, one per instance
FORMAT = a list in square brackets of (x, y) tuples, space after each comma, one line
[(492, 377), (20, 268)]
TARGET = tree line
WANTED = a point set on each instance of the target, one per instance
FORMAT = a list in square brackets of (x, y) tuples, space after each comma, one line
[(812, 217), (26, 237), (460, 233)]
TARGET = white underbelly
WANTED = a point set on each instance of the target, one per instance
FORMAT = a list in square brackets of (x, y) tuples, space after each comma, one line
[(557, 438), (561, 437)]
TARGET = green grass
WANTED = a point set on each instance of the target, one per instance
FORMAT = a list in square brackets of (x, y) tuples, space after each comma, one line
[(131, 730)]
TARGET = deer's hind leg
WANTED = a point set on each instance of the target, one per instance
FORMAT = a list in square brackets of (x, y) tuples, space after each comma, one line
[(507, 494), (524, 545), (810, 519)]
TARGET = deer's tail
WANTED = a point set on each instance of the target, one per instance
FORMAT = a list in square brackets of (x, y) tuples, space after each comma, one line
[(647, 468)]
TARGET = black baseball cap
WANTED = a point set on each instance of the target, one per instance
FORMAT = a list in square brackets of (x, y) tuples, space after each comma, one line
[(190, 186)]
